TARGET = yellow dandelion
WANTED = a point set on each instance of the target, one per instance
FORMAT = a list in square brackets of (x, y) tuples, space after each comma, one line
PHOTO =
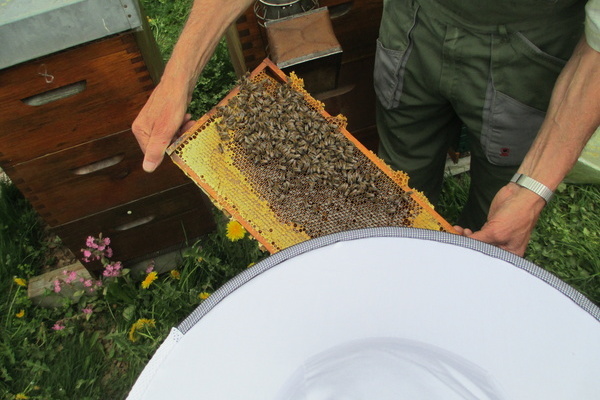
[(175, 274), (20, 282), (21, 396), (138, 325), (20, 314), (235, 231), (204, 295), (151, 277)]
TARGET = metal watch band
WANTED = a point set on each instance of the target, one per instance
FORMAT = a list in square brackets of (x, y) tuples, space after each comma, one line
[(533, 185)]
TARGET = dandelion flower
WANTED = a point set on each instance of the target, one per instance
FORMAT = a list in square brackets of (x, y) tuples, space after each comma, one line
[(175, 274), (151, 277), (204, 295), (21, 396), (138, 325), (235, 231), (20, 314), (20, 282)]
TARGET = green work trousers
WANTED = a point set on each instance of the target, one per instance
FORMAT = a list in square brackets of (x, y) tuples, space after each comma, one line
[(435, 73)]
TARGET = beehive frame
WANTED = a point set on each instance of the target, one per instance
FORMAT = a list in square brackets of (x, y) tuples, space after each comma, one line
[(280, 207)]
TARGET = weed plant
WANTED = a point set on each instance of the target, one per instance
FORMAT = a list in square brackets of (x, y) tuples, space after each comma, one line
[(22, 251), (566, 240)]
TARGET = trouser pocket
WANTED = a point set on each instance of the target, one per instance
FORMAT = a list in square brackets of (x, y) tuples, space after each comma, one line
[(393, 50), (522, 77), (509, 129)]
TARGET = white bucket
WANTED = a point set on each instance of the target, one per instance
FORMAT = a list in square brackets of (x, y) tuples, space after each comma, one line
[(387, 313)]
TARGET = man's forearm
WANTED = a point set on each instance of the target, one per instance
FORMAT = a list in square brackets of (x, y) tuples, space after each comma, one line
[(203, 30), (572, 117), (163, 115)]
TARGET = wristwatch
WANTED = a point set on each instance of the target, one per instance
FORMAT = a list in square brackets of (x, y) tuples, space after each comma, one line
[(536, 187)]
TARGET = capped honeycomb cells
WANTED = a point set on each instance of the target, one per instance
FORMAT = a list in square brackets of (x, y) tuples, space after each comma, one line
[(288, 171)]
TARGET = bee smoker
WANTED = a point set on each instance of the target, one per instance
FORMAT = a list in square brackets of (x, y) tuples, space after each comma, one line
[(301, 39)]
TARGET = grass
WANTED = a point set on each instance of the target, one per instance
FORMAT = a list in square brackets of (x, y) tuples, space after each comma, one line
[(99, 355), (566, 240)]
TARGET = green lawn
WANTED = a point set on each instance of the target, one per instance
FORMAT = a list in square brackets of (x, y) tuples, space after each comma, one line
[(96, 343)]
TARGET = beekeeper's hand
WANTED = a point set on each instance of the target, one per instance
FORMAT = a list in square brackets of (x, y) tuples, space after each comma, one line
[(513, 215), (161, 119)]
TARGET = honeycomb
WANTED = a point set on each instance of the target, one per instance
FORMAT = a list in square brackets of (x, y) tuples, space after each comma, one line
[(270, 156)]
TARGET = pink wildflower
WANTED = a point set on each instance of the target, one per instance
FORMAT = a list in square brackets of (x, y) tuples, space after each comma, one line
[(112, 270), (150, 268), (87, 283), (97, 248), (58, 326), (87, 310), (57, 286), (89, 242), (72, 275)]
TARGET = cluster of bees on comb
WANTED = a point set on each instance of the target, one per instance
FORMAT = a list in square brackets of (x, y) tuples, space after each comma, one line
[(310, 174)]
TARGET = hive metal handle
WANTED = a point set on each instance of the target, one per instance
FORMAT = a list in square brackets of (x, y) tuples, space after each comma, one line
[(99, 165), (134, 224), (55, 94)]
